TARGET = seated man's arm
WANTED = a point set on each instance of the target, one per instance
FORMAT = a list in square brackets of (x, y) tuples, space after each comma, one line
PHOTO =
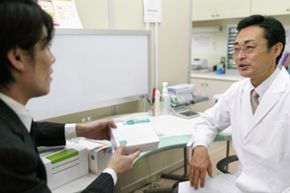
[(198, 166), (207, 126)]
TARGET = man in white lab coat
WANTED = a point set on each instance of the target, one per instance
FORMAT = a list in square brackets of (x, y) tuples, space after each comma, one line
[(261, 129)]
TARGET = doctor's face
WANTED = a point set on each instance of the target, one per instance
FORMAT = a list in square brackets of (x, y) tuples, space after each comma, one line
[(252, 56)]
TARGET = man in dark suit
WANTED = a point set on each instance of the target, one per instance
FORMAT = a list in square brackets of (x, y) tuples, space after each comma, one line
[(25, 72)]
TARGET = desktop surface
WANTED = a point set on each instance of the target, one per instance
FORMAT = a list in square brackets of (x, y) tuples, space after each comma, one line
[(174, 132)]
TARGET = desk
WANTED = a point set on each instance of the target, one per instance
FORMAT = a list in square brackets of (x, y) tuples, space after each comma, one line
[(165, 143), (174, 132)]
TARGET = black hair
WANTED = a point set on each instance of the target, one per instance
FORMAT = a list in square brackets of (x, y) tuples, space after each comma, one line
[(274, 31), (22, 23)]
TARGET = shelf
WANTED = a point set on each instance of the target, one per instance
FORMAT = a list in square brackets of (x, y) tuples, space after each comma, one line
[(231, 75)]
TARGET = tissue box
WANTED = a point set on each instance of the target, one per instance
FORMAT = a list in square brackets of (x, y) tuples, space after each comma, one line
[(135, 135)]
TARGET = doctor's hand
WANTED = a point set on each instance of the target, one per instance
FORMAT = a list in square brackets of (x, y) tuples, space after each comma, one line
[(120, 162), (198, 166), (99, 130)]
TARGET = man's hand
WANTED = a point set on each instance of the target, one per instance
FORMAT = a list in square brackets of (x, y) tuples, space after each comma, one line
[(95, 130), (198, 166), (120, 162)]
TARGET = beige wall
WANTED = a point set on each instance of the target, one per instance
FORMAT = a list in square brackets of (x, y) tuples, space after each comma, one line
[(93, 13), (174, 31)]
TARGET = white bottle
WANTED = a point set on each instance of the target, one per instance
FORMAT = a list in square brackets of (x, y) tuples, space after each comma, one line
[(156, 108), (165, 102)]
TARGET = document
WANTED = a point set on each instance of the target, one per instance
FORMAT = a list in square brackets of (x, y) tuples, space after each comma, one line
[(152, 11), (63, 12), (171, 125), (47, 6), (223, 183)]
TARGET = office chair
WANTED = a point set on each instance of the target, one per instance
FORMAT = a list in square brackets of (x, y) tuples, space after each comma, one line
[(226, 136), (223, 164), (179, 178)]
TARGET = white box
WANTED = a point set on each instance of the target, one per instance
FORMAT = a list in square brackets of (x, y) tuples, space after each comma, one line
[(181, 89), (99, 158), (135, 134), (99, 153), (65, 165)]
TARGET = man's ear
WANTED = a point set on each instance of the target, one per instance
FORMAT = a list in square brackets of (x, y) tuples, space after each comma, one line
[(15, 56), (278, 49)]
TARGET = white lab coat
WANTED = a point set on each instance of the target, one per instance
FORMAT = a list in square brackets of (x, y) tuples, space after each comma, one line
[(261, 141)]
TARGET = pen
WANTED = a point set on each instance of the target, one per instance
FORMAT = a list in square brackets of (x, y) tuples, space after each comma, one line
[(153, 95)]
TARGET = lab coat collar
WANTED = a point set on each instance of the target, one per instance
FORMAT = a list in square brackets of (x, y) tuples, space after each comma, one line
[(270, 98)]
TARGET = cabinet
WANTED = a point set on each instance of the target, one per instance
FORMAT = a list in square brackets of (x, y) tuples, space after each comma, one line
[(202, 10), (209, 87), (219, 9), (267, 7)]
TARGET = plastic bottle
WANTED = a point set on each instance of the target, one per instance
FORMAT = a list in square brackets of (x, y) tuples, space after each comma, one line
[(165, 99), (221, 67), (156, 108)]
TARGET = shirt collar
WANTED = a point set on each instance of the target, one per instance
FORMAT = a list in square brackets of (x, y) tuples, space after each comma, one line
[(263, 87), (22, 112)]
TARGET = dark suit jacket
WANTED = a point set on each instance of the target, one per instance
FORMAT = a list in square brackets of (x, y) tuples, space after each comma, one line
[(21, 168)]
